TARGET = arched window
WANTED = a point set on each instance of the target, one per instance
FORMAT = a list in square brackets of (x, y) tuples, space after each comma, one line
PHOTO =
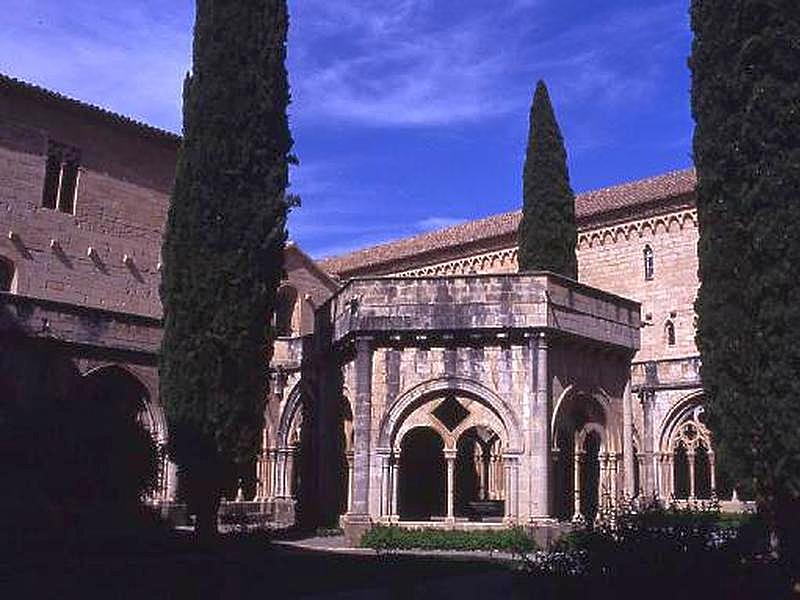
[(669, 332), (692, 458), (648, 263), (284, 311), (6, 274)]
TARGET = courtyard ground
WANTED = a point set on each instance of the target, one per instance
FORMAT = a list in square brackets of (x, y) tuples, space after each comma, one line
[(253, 566)]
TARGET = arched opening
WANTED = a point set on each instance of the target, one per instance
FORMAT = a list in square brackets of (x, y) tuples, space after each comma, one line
[(285, 302), (563, 479), (669, 333), (690, 454), (115, 389), (422, 484), (478, 475), (681, 472), (579, 440), (6, 274), (590, 476), (649, 263), (121, 451), (702, 474)]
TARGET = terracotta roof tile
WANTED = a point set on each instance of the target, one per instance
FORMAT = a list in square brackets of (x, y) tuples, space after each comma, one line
[(590, 206), (52, 96)]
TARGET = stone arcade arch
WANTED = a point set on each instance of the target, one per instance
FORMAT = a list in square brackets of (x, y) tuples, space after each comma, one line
[(687, 459), (452, 409), (421, 489), (126, 394), (587, 457)]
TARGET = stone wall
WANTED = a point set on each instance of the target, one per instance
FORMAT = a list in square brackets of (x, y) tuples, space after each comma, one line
[(122, 197)]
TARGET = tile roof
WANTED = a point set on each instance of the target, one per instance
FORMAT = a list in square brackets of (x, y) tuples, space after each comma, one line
[(43, 93), (598, 205)]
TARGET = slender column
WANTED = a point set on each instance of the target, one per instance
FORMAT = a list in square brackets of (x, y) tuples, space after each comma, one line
[(614, 469), (628, 456), (385, 485), (395, 486), (479, 469), (539, 482), (290, 492), (493, 475), (602, 481), (362, 426), (577, 516), (648, 400), (279, 469), (274, 474), (349, 481), (671, 474), (450, 458), (712, 466), (690, 456), (507, 486)]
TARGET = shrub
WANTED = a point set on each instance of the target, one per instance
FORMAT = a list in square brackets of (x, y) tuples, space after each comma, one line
[(649, 539), (387, 538)]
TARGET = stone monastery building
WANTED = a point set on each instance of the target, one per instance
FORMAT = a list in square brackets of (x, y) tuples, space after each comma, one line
[(423, 380)]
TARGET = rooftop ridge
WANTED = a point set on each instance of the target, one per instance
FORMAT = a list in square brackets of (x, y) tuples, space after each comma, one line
[(7, 80), (589, 205)]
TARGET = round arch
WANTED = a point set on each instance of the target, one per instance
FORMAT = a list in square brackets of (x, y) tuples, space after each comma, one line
[(684, 408), (289, 416), (406, 403), (156, 420), (607, 427)]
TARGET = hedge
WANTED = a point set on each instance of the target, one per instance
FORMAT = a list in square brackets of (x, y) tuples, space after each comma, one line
[(392, 537)]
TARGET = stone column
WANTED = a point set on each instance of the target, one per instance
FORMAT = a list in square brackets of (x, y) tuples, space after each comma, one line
[(670, 475), (648, 402), (629, 455), (690, 457), (280, 477), (712, 467), (273, 475), (603, 481), (450, 459), (358, 520), (385, 484), (614, 469), (349, 456), (290, 475), (395, 486), (478, 460), (539, 493), (576, 474)]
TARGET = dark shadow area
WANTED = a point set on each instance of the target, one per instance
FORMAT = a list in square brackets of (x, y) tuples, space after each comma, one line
[(422, 475), (77, 461)]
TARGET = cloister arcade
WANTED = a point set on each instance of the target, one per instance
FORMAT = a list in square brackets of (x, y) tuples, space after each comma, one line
[(587, 455), (686, 458), (447, 460)]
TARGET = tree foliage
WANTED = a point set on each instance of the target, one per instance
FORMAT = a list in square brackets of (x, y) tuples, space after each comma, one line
[(746, 103), (223, 247), (547, 233)]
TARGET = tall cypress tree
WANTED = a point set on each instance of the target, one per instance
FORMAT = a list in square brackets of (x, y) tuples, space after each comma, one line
[(547, 234), (223, 247), (746, 103)]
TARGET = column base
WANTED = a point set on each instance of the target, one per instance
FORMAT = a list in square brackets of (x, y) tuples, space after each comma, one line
[(355, 526)]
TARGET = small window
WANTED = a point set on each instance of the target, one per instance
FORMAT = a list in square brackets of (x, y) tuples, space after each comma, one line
[(61, 177), (648, 263), (669, 329), (6, 274)]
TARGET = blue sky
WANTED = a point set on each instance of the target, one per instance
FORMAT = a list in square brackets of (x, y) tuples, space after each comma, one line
[(408, 115)]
